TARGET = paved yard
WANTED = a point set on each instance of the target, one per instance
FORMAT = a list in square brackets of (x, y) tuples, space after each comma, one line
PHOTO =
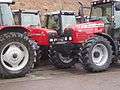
[(50, 78)]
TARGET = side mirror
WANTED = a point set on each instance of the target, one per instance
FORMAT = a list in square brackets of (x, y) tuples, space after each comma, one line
[(43, 27), (13, 2), (117, 6)]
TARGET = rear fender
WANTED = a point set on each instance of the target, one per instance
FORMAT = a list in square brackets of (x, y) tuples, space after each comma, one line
[(36, 36), (13, 29)]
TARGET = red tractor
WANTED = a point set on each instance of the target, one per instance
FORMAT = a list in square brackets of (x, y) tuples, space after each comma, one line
[(18, 44), (32, 18), (94, 43), (59, 20)]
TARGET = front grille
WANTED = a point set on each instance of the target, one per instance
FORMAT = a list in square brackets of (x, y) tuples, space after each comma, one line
[(68, 33), (52, 35)]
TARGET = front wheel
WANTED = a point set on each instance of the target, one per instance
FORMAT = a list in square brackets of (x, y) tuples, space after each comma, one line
[(42, 57), (16, 55), (62, 57), (97, 54)]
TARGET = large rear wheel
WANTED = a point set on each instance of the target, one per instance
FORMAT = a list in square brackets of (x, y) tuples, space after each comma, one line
[(16, 55), (97, 54)]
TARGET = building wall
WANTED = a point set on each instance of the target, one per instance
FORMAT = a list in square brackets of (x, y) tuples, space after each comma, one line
[(50, 5)]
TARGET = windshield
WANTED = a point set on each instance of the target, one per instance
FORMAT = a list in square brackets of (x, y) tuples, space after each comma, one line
[(30, 19), (103, 10), (6, 17), (53, 22), (68, 20)]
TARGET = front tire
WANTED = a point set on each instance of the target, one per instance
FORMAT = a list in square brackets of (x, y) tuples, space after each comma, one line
[(97, 54), (16, 55), (42, 57), (62, 57)]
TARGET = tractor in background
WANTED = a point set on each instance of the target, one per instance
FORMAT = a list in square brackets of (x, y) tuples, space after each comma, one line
[(32, 18), (58, 21)]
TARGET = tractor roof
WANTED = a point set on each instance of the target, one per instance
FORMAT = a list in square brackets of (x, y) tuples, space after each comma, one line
[(104, 0), (94, 2), (26, 11), (7, 1), (64, 12)]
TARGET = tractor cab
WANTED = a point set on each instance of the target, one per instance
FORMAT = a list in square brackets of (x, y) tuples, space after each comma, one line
[(108, 11), (102, 10), (6, 17), (27, 17), (60, 20)]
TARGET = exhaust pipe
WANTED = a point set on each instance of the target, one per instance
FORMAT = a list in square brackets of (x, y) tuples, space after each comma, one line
[(81, 12)]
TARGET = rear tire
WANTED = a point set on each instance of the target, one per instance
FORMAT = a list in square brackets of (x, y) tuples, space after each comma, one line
[(17, 55), (97, 54)]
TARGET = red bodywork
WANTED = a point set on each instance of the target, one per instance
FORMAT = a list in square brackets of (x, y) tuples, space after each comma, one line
[(84, 31), (39, 35), (80, 33)]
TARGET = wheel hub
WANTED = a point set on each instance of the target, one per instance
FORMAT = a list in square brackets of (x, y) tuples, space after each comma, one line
[(65, 59), (99, 54), (96, 54), (64, 53), (14, 56)]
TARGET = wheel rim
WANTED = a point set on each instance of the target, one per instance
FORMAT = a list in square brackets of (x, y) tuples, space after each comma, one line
[(66, 59), (100, 54), (14, 56)]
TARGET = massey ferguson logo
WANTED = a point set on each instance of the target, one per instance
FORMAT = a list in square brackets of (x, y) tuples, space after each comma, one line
[(53, 34), (91, 25)]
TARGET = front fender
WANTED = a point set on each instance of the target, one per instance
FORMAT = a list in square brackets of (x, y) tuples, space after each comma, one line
[(114, 44)]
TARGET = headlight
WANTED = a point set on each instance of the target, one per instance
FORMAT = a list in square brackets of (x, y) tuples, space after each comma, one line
[(55, 39), (51, 40), (70, 38), (66, 38)]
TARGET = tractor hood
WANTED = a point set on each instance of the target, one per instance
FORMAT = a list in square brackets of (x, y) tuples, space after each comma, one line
[(84, 31), (105, 19), (38, 29), (90, 27)]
